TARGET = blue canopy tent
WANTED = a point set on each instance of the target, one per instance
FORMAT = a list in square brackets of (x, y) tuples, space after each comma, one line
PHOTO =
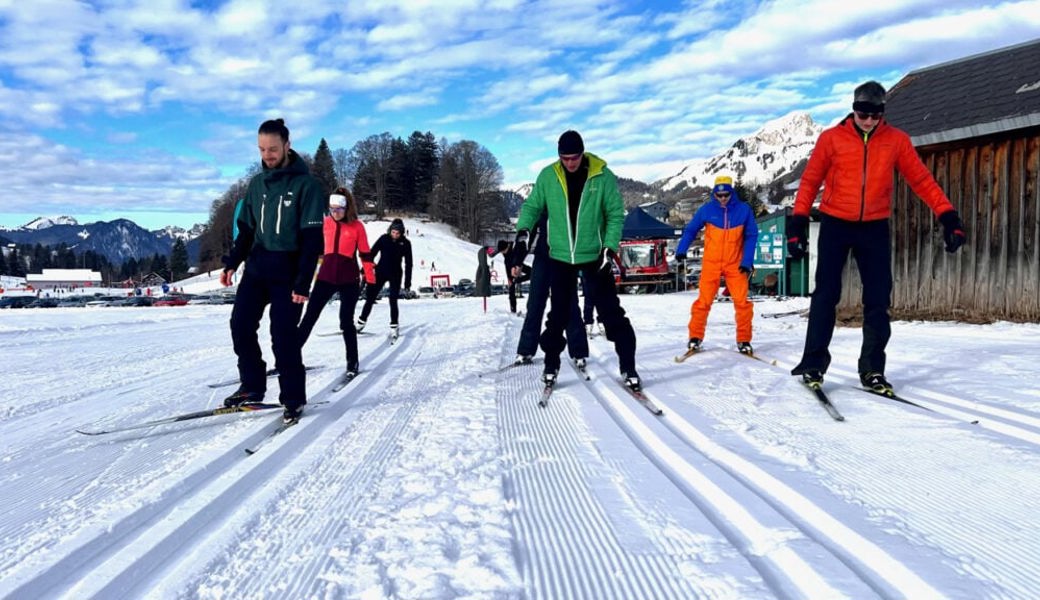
[(639, 225)]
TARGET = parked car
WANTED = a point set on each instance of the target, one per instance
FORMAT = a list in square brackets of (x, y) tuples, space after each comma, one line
[(74, 301), (43, 303), (16, 301), (446, 291), (426, 292), (100, 300), (171, 300), (138, 301)]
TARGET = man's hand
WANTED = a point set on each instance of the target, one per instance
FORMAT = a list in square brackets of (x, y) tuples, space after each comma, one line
[(520, 246), (298, 299), (797, 236), (745, 269), (953, 230), (680, 257), (226, 277), (607, 259)]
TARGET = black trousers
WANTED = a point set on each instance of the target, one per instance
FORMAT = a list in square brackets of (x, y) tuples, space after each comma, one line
[(255, 293), (869, 243), (537, 298), (563, 289), (372, 291), (348, 298)]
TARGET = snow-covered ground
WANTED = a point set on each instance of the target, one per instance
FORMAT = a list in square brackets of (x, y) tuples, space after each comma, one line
[(434, 475)]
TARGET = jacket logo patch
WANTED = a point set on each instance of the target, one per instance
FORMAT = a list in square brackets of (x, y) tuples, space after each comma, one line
[(287, 203)]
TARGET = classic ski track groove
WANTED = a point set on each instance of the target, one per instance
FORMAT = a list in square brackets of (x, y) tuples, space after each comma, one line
[(106, 561), (1011, 423), (880, 572), (569, 546)]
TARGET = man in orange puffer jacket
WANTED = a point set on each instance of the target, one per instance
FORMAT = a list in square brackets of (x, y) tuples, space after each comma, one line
[(854, 161)]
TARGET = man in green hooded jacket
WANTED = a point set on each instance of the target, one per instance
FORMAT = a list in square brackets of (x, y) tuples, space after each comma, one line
[(586, 213)]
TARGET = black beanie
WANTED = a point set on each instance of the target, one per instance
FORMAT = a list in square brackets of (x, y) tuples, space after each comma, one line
[(397, 224), (570, 143), (869, 97)]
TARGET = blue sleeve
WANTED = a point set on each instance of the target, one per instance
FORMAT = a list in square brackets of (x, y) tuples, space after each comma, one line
[(690, 231), (750, 238)]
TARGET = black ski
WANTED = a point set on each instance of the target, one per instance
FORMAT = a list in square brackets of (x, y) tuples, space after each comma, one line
[(802, 312), (817, 389), (270, 373), (212, 412), (891, 395), (643, 399), (281, 428), (515, 363), (759, 358), (344, 381)]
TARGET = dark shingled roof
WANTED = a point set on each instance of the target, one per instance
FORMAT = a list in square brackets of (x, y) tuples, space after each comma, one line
[(975, 96)]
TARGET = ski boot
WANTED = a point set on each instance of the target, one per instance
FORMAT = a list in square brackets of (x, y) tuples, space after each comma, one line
[(633, 382), (549, 378), (291, 416), (394, 332), (813, 379), (360, 325), (876, 383), (523, 359), (242, 396), (694, 345), (745, 348)]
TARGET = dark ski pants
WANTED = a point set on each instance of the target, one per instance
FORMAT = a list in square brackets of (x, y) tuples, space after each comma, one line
[(514, 285), (869, 244), (563, 310), (348, 299), (372, 291), (537, 297), (587, 292), (255, 292)]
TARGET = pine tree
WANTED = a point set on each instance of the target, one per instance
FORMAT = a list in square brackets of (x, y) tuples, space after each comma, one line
[(3, 264), (425, 162), (15, 268), (324, 169), (179, 259)]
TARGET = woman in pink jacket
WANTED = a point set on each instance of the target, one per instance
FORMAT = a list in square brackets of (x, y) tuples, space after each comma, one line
[(345, 242)]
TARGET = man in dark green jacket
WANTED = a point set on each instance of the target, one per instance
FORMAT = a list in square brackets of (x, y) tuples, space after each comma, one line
[(586, 213), (280, 239)]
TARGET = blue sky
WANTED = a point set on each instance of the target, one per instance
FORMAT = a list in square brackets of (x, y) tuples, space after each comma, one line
[(148, 109)]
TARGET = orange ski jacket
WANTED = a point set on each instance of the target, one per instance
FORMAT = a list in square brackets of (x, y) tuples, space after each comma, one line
[(856, 171)]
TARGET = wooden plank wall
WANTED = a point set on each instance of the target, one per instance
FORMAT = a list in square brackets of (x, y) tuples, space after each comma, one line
[(995, 185)]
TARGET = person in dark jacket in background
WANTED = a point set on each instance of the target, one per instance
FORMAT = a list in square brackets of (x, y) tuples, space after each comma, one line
[(391, 247), (279, 239), (538, 297), (345, 242)]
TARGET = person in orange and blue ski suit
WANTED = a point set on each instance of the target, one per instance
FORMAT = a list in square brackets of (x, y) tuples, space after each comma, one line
[(730, 233)]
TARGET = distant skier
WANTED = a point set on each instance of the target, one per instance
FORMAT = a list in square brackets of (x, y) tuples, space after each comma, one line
[(538, 297), (345, 242), (856, 159), (730, 233), (392, 247)]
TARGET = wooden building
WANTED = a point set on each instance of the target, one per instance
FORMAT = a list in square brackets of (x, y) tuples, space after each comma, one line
[(976, 124)]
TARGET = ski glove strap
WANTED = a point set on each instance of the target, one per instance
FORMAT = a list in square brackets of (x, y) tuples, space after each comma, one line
[(797, 237), (953, 230), (607, 259)]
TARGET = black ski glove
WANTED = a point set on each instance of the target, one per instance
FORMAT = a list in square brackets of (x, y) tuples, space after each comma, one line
[(749, 271), (953, 230), (797, 236), (680, 257), (519, 250)]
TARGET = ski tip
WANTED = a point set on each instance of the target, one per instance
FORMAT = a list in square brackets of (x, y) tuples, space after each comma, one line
[(89, 432)]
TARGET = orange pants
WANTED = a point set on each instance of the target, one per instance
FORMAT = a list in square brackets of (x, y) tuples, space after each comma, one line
[(709, 286)]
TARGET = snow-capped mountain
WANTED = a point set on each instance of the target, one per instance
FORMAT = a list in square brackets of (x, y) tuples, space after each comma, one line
[(773, 151), (173, 232), (45, 222), (117, 240)]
